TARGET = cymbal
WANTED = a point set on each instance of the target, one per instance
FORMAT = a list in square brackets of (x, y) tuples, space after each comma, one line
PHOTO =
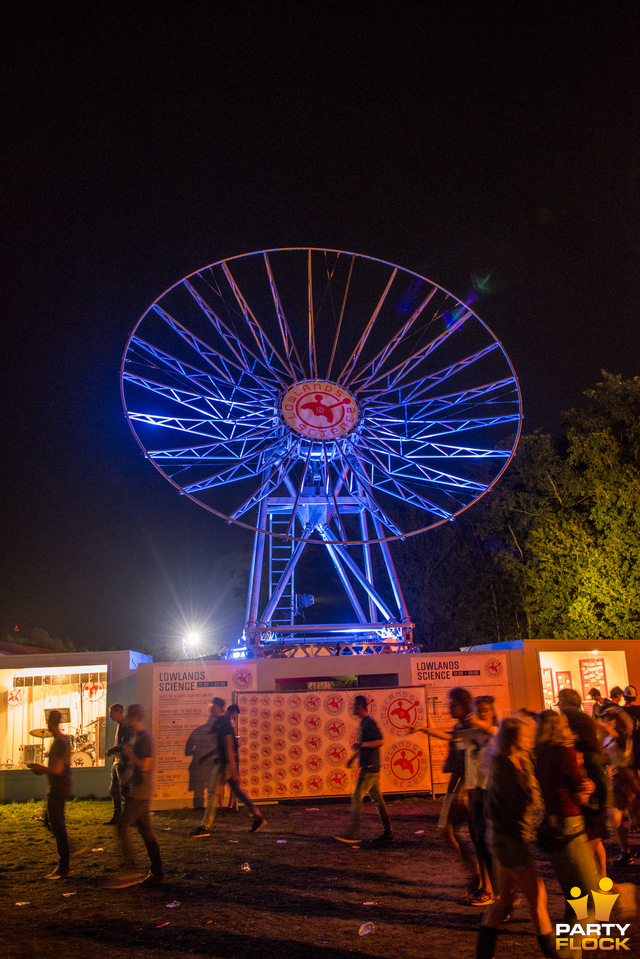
[(41, 733)]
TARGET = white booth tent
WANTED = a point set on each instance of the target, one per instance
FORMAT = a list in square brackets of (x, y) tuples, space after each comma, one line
[(81, 686)]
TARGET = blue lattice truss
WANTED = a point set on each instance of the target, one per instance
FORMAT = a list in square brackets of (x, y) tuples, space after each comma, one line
[(439, 409)]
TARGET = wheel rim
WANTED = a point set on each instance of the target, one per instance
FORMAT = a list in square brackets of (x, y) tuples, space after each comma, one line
[(249, 377)]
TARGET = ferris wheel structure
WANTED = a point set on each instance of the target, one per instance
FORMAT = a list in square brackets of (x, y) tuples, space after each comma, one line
[(323, 400)]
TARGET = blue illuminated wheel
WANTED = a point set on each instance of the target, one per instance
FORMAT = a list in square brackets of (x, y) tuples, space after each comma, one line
[(342, 385)]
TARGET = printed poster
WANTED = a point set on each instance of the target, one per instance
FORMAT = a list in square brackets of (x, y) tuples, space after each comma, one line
[(298, 744), (181, 697)]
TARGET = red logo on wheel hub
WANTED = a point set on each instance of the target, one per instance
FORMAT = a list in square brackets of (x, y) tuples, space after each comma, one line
[(319, 410)]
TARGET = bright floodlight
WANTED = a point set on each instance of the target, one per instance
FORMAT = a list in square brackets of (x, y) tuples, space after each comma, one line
[(190, 643)]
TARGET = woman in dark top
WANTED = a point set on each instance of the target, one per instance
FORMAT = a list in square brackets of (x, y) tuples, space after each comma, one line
[(595, 811), (564, 791), (512, 795)]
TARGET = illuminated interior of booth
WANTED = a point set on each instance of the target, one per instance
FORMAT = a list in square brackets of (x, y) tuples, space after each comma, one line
[(79, 692), (582, 670)]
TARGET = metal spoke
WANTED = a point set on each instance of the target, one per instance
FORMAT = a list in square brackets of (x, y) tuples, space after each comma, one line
[(425, 474), (172, 364), (246, 359), (431, 427), (269, 485), (299, 491), (415, 389), (360, 473), (241, 468), (201, 427), (415, 449), (289, 343), (234, 444), (312, 331), (362, 380), (470, 396), (262, 340), (392, 485), (339, 326), (186, 398), (355, 356), (401, 370)]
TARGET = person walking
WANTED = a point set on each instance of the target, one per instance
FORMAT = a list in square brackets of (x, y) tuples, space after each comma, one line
[(618, 728), (198, 745), (367, 748), (233, 711), (58, 772), (455, 813), (512, 796), (140, 753), (563, 835), (629, 694), (476, 741), (226, 771), (597, 808), (120, 771)]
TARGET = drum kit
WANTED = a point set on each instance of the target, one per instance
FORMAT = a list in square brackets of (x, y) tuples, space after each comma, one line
[(83, 748)]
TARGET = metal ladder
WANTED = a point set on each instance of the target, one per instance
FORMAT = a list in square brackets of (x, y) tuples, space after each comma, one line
[(280, 552)]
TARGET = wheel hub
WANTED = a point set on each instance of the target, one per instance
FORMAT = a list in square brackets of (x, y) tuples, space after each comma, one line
[(319, 410)]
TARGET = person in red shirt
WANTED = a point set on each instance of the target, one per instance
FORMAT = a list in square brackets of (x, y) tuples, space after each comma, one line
[(564, 790)]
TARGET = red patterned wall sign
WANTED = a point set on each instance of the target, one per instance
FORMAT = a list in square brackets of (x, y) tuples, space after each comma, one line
[(298, 744)]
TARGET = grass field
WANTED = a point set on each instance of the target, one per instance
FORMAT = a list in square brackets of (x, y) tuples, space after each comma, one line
[(305, 895)]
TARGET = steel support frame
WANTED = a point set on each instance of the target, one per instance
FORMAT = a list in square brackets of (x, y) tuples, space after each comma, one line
[(383, 625)]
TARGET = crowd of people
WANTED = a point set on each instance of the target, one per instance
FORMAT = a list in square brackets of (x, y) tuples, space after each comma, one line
[(561, 779)]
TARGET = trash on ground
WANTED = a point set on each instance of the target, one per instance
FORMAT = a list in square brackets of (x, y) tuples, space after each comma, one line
[(245, 867), (163, 924), (23, 903), (67, 894), (172, 905), (280, 841), (419, 832), (366, 928), (98, 849)]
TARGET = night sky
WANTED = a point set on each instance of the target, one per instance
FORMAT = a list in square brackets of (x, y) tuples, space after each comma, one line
[(142, 142)]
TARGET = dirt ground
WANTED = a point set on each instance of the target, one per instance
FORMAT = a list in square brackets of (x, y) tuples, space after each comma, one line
[(306, 895)]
